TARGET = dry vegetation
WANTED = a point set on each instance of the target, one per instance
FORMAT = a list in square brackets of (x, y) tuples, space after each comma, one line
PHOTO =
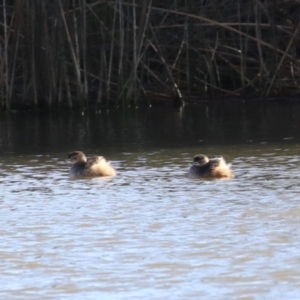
[(70, 52)]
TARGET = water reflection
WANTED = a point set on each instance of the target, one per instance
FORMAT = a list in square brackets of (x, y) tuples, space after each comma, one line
[(135, 130), (151, 232)]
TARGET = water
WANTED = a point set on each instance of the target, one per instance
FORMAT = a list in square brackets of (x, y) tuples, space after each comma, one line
[(150, 232)]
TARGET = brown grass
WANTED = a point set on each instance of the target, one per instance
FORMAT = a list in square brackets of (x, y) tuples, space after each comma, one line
[(82, 52)]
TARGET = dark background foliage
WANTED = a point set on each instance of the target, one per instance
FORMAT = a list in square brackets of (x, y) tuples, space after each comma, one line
[(101, 52)]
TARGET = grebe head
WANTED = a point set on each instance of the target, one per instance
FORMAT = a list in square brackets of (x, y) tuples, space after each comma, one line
[(200, 160), (77, 156)]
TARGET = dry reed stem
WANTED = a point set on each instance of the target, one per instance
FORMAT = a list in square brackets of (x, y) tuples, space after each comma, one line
[(72, 50), (226, 26), (77, 51), (282, 59)]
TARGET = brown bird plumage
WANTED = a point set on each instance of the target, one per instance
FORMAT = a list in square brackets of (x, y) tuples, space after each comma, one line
[(214, 167), (92, 167)]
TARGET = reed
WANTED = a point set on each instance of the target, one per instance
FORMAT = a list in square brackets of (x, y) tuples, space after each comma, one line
[(4, 65), (83, 52)]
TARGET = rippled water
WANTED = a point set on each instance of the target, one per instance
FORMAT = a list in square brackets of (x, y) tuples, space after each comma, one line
[(151, 232)]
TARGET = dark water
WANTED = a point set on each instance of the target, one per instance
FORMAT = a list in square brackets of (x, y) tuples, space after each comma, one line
[(116, 131), (150, 232)]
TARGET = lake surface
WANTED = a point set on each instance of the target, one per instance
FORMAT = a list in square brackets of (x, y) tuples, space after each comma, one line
[(151, 232)]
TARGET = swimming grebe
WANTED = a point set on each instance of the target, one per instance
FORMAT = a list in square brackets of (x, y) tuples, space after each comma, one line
[(214, 167), (93, 166)]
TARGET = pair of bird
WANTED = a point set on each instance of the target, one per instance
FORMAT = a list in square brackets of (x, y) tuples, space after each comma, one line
[(202, 166)]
